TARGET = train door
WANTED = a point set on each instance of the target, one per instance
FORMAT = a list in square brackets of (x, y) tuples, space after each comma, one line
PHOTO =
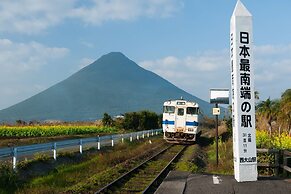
[(180, 120)]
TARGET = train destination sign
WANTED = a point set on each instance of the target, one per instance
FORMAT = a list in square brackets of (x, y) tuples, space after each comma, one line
[(242, 95)]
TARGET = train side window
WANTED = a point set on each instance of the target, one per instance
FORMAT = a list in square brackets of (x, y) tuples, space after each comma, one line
[(180, 111), (169, 109), (192, 110)]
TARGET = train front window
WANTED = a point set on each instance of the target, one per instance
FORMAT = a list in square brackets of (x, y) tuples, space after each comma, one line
[(169, 109), (192, 110), (180, 111)]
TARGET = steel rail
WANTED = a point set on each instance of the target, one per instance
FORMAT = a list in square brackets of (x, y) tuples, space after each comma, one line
[(126, 175), (152, 186)]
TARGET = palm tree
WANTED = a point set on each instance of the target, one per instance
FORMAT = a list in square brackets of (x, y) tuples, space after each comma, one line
[(286, 94), (257, 95), (285, 107), (268, 109)]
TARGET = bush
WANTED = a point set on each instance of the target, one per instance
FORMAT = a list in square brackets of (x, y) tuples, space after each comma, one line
[(131, 120), (264, 140), (207, 122), (148, 120), (282, 141), (8, 179), (143, 120)]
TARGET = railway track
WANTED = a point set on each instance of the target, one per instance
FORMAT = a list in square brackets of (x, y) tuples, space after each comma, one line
[(148, 175)]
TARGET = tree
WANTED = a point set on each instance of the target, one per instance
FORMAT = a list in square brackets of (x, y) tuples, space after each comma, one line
[(142, 120), (257, 98), (257, 95), (268, 109), (20, 122), (148, 120), (131, 120), (285, 109), (107, 120), (286, 95)]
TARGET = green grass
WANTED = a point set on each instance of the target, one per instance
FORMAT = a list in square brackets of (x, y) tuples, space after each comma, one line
[(225, 158), (8, 179), (187, 162), (96, 171)]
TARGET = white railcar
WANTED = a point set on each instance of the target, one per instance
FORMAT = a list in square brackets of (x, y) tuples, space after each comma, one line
[(180, 121)]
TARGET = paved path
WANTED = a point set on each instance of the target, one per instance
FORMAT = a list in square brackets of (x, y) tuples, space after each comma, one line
[(183, 182)]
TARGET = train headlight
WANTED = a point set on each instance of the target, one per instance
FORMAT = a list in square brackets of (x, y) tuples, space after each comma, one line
[(190, 129)]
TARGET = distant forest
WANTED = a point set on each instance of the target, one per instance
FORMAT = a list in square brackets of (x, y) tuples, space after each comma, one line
[(142, 120)]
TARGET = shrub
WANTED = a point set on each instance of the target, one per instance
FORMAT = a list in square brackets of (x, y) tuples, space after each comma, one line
[(143, 120), (263, 140), (278, 141), (8, 179)]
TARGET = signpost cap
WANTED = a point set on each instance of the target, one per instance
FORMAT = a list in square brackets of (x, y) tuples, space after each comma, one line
[(241, 10)]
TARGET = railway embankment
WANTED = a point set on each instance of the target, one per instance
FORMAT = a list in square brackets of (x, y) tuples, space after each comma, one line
[(72, 171)]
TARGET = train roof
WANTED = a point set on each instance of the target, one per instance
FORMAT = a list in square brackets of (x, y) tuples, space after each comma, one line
[(180, 103)]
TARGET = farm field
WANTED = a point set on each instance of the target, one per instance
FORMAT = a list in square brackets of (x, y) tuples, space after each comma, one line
[(54, 130), (21, 135)]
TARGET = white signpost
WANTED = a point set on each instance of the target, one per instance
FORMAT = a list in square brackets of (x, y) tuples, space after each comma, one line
[(218, 96), (242, 92)]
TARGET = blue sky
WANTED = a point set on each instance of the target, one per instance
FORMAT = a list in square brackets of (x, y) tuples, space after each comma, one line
[(185, 41)]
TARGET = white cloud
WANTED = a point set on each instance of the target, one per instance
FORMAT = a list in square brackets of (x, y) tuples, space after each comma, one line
[(34, 16), (196, 73), (84, 62), (199, 72), (273, 63), (205, 62), (87, 44), (273, 49), (21, 57), (20, 64), (105, 10)]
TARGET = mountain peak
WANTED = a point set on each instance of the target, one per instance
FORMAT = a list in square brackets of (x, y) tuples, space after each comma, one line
[(113, 59), (114, 55)]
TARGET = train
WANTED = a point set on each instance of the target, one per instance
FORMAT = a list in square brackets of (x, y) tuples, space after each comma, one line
[(180, 121)]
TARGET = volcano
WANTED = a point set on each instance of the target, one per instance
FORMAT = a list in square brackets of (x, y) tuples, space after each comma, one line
[(112, 84)]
